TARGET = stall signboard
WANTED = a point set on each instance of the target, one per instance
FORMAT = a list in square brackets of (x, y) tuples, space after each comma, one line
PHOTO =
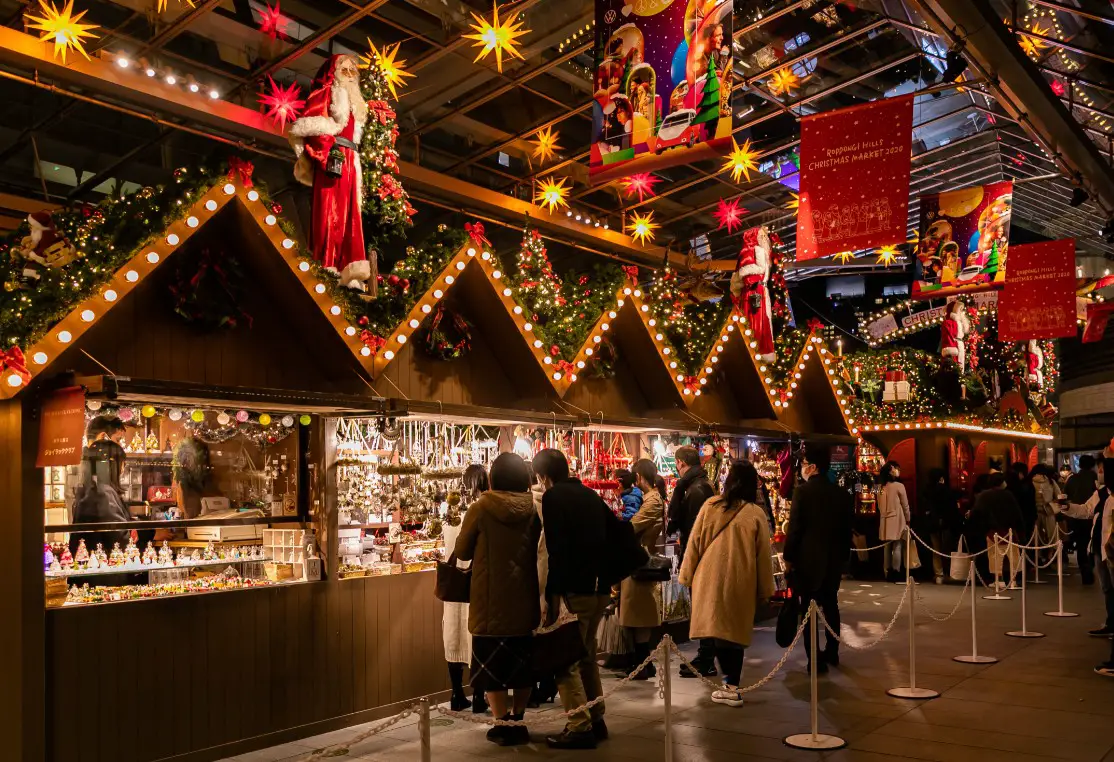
[(855, 165), (888, 324), (662, 85), (1038, 301), (964, 241), (61, 428)]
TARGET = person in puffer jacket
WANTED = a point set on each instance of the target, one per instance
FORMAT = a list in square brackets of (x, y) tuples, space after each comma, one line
[(631, 495)]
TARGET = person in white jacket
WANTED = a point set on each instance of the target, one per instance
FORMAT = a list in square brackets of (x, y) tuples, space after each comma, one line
[(893, 518)]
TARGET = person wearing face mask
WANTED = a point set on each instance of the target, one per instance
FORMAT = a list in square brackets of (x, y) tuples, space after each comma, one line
[(893, 510), (818, 543)]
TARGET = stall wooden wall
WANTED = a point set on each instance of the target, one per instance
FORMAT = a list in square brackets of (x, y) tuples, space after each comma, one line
[(207, 677)]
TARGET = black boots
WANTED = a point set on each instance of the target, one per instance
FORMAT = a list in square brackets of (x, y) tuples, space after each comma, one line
[(641, 651)]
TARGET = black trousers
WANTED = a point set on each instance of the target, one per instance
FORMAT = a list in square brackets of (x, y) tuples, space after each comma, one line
[(1081, 533), (827, 598), (730, 658)]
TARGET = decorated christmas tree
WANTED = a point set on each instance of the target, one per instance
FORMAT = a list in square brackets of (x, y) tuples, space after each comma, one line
[(387, 210), (708, 110)]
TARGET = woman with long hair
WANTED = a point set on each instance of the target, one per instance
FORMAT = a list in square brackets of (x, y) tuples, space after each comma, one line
[(893, 512), (500, 537), (640, 601), (729, 568), (454, 619)]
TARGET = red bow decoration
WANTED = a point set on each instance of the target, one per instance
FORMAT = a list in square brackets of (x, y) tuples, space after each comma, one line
[(13, 361), (692, 383), (371, 341), (381, 111), (241, 170), (631, 271), (476, 233), (565, 367), (814, 325)]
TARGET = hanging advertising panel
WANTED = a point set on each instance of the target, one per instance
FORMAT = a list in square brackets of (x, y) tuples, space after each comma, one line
[(1038, 301), (662, 85)]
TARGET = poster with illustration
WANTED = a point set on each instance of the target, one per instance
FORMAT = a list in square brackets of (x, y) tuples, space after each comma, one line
[(662, 85), (964, 241)]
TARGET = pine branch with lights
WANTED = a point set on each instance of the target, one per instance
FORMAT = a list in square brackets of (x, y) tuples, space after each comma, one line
[(689, 328), (386, 203)]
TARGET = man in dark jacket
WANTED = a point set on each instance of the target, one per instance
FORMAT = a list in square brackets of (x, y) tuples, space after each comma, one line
[(817, 544), (1081, 487), (575, 520), (692, 491)]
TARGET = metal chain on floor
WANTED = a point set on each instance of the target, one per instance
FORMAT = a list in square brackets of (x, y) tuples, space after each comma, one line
[(931, 614), (720, 686), (342, 748), (885, 632)]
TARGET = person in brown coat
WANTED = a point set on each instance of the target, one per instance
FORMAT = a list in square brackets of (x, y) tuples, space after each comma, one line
[(500, 537), (729, 568), (640, 602)]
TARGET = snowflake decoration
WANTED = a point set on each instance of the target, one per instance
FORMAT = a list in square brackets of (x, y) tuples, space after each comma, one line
[(843, 257), (281, 104), (495, 35), (63, 28), (1032, 46), (642, 183), (729, 215), (742, 160)]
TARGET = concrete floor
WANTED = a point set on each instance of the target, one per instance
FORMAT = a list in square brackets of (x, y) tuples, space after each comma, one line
[(1040, 702)]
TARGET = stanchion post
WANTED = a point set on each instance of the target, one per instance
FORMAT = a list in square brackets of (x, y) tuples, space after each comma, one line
[(974, 658), (423, 728), (1024, 631), (1037, 558), (997, 573), (1060, 583), (666, 681), (814, 739), (911, 691)]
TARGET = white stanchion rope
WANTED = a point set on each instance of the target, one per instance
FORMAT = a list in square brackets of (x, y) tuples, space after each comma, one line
[(872, 547), (342, 748), (928, 547), (885, 632), (720, 686), (932, 615)]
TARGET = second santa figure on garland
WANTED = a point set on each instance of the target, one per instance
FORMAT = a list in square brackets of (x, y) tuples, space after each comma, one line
[(953, 334), (326, 141), (750, 289)]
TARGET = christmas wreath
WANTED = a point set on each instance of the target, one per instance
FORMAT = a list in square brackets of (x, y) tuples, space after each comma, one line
[(208, 289), (447, 339)]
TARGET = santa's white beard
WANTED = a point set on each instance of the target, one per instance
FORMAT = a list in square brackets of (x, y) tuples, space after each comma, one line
[(356, 101)]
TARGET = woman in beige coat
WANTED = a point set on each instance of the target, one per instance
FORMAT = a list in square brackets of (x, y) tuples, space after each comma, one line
[(893, 521), (730, 570), (640, 602)]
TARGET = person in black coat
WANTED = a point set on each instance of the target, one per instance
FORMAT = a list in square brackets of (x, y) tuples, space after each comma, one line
[(692, 491), (818, 543)]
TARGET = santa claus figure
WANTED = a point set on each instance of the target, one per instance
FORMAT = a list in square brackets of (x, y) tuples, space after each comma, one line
[(1035, 357), (953, 334), (326, 140), (43, 247), (750, 291)]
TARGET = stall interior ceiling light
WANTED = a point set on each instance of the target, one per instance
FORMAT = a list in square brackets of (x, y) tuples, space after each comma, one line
[(924, 425)]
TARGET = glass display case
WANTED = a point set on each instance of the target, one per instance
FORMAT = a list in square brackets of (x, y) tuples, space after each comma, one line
[(176, 500)]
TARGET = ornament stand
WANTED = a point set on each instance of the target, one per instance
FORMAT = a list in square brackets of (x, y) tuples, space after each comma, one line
[(911, 691), (814, 740), (974, 657), (1059, 612), (1024, 631), (998, 585)]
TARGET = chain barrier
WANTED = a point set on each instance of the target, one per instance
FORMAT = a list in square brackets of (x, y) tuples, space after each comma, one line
[(928, 547), (342, 748), (872, 547), (720, 686), (932, 615), (881, 637)]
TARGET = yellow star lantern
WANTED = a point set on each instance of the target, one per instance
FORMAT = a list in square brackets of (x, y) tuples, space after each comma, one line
[(742, 160), (63, 28), (642, 227), (843, 257), (784, 82), (1033, 45), (551, 193), (545, 143), (500, 36), (887, 255), (162, 4), (393, 71), (794, 203)]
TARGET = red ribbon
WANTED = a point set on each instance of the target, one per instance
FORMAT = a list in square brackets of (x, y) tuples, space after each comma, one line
[(14, 362), (240, 169), (372, 341), (631, 271), (381, 111), (476, 233), (692, 383), (814, 325), (566, 367)]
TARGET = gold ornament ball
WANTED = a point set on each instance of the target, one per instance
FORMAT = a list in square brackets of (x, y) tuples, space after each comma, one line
[(264, 419), (304, 420), (197, 416), (148, 411)]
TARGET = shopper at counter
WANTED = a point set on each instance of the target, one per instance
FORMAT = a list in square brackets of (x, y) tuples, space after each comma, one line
[(98, 497), (500, 537), (575, 519), (631, 495)]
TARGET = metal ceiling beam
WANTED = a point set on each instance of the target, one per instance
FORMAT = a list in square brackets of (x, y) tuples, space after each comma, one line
[(178, 26), (480, 155), (1023, 92), (1075, 11)]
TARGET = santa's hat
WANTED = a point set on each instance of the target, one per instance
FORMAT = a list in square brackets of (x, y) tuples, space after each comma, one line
[(40, 219)]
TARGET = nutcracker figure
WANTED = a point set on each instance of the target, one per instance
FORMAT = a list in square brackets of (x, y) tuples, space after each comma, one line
[(750, 290)]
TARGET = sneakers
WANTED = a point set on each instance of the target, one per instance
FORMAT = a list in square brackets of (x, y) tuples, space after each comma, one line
[(1106, 669), (568, 739), (599, 729), (728, 698), (509, 735), (706, 670), (1102, 632)]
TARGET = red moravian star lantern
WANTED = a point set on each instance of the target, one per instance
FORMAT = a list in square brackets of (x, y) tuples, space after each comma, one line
[(642, 183), (729, 215), (281, 104), (271, 21)]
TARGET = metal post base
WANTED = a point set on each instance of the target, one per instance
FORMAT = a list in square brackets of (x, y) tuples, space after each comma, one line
[(1059, 613), (975, 659), (820, 743), (1025, 634), (913, 693), (1039, 582), (997, 597)]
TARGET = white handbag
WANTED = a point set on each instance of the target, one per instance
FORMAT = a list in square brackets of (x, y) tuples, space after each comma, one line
[(961, 563)]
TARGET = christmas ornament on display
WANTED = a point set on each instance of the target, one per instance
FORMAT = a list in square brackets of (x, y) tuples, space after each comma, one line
[(642, 184), (794, 203), (750, 289), (545, 144), (43, 247), (281, 103), (63, 28), (326, 141), (162, 4), (843, 257), (887, 255), (729, 215), (498, 36), (953, 334)]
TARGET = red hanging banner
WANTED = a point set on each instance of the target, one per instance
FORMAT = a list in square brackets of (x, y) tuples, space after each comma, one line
[(1098, 315), (1038, 301), (855, 177), (61, 428)]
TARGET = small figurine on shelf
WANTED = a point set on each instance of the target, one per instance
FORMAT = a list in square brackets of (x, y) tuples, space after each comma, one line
[(48, 556), (67, 560), (150, 556), (102, 557), (55, 566), (196, 556), (235, 553), (131, 553), (94, 562), (81, 557), (210, 552), (116, 558), (136, 445), (165, 557), (152, 442)]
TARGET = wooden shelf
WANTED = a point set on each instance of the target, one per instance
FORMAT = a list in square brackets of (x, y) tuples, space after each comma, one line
[(125, 525)]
